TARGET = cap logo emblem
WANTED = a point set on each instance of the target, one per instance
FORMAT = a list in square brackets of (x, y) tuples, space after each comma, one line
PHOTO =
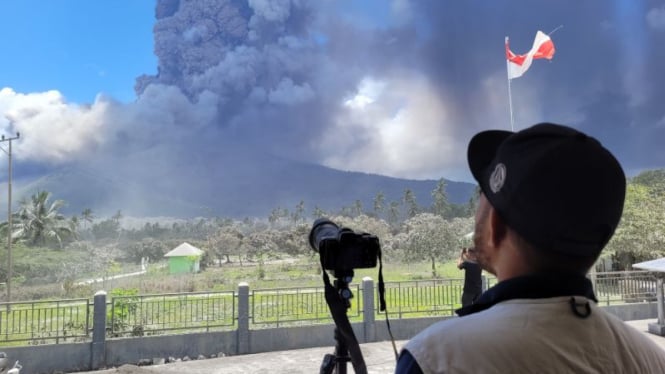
[(498, 177)]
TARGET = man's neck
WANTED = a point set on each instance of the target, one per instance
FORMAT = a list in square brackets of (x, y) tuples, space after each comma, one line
[(510, 264)]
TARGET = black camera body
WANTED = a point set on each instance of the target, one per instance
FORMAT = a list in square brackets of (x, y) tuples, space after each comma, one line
[(342, 248)]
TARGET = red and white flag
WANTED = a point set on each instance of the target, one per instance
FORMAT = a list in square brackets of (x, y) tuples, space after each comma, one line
[(543, 47)]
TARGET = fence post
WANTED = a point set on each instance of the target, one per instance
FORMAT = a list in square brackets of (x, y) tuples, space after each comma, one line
[(368, 310), (243, 318), (592, 278), (98, 347)]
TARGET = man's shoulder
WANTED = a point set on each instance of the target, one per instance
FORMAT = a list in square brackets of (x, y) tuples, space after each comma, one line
[(455, 327), (507, 317), (454, 340), (526, 329)]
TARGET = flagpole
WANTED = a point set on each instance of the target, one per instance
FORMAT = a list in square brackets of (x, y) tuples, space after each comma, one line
[(510, 95), (557, 28)]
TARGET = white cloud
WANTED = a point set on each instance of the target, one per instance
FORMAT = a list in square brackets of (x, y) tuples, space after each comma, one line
[(402, 129), (656, 18), (272, 10), (368, 90), (55, 131), (52, 130)]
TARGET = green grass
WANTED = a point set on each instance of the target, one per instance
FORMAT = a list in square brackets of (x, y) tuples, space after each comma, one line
[(303, 271)]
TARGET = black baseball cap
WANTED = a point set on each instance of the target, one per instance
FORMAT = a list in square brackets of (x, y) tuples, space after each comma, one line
[(557, 187)]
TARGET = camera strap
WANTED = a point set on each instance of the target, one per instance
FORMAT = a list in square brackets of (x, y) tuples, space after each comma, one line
[(382, 304), (345, 332)]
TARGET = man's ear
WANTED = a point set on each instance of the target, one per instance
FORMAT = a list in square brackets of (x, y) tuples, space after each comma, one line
[(498, 229)]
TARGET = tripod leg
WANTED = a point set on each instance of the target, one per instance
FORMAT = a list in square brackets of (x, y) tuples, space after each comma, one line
[(341, 354), (328, 364)]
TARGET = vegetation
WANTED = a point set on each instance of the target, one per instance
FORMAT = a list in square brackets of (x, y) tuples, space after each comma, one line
[(641, 233), (53, 253), (38, 222)]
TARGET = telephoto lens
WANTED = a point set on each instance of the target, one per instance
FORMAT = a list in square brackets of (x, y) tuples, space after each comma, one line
[(323, 229)]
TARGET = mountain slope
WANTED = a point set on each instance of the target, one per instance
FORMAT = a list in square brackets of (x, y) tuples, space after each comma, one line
[(227, 186)]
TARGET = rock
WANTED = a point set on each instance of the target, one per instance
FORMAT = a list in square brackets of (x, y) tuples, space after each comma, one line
[(170, 359), (186, 358), (158, 361), (131, 369), (145, 362), (201, 357)]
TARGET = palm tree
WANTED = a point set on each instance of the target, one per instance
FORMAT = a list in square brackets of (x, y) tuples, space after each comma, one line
[(87, 216), (38, 221)]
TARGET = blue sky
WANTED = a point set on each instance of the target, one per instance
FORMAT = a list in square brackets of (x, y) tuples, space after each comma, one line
[(79, 47), (86, 47)]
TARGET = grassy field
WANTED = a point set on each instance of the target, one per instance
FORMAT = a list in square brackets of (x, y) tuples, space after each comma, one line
[(282, 273), (298, 272), (276, 273)]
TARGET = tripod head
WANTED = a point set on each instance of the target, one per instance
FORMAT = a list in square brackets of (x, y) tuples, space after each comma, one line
[(341, 283)]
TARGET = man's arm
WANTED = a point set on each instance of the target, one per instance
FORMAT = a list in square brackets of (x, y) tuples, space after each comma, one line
[(407, 364)]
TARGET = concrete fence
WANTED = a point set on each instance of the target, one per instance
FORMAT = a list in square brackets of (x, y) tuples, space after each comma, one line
[(104, 351)]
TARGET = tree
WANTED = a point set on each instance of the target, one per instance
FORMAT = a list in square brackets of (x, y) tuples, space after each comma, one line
[(293, 240), (277, 216), (74, 223), (472, 204), (261, 244), (379, 203), (364, 223), (149, 248), (430, 237), (299, 213), (640, 235), (357, 208), (347, 211), (87, 216), (409, 200), (318, 212), (393, 213), (225, 242), (440, 205), (117, 216), (39, 222), (654, 179), (108, 228)]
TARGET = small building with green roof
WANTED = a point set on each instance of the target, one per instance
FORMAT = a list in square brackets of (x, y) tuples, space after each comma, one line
[(184, 258)]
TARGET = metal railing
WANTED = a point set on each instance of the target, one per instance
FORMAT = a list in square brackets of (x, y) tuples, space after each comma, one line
[(423, 298), (153, 314), (44, 322), (620, 287), (296, 306)]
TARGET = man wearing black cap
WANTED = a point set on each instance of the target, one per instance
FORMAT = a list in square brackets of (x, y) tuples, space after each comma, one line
[(551, 198)]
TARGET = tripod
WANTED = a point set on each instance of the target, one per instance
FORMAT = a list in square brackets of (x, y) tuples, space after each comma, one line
[(340, 358)]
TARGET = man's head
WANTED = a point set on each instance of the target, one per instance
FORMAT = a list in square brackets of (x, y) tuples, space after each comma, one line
[(551, 189), (469, 254)]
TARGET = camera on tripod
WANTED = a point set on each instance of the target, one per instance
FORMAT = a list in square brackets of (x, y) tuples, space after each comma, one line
[(341, 248)]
